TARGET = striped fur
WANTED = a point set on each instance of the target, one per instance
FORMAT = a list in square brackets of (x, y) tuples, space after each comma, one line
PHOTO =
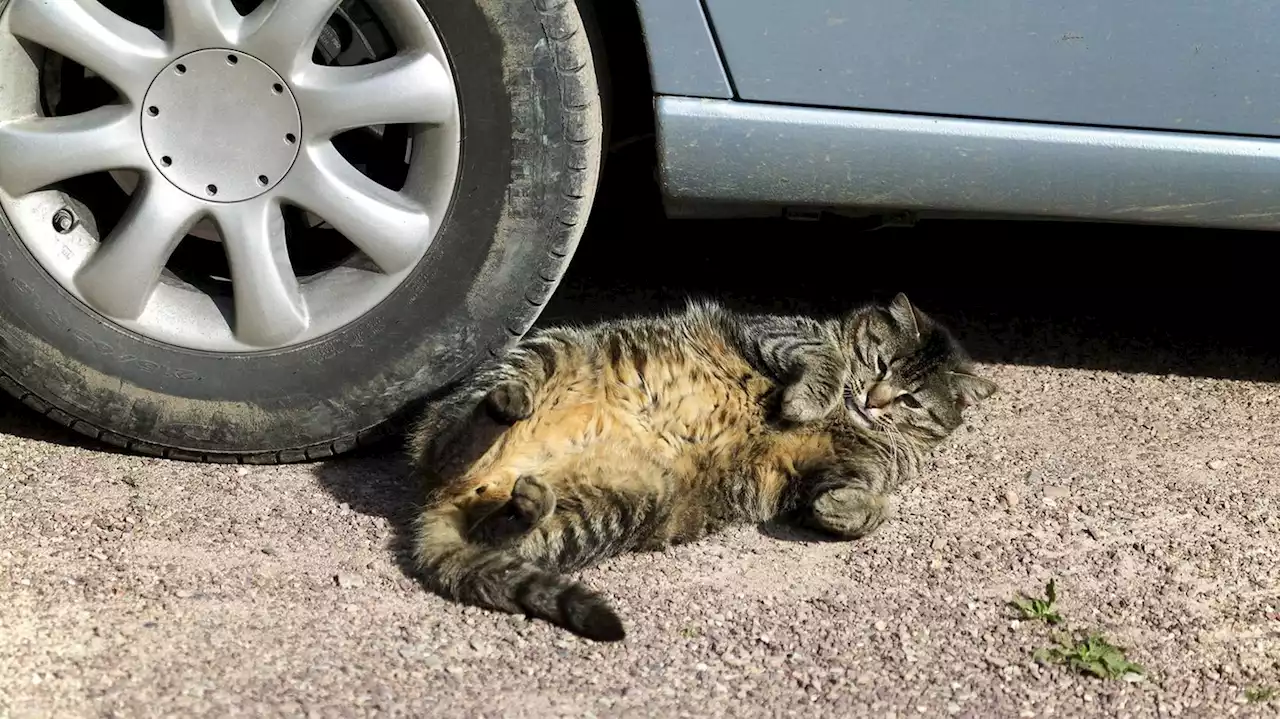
[(583, 443)]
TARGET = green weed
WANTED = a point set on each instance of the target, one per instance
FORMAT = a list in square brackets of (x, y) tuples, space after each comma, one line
[(1093, 655), (1260, 695), (1032, 608)]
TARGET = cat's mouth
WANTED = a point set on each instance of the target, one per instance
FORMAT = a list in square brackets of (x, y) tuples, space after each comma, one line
[(862, 419), (859, 415)]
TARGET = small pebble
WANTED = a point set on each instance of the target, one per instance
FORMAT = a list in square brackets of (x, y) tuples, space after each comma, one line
[(1217, 464), (349, 581)]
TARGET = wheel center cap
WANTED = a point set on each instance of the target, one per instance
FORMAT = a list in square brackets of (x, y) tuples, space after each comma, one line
[(221, 125)]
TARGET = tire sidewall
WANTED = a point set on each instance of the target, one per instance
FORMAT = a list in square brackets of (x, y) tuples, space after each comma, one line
[(493, 262)]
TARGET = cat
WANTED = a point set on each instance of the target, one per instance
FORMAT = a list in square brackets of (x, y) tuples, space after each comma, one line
[(579, 444)]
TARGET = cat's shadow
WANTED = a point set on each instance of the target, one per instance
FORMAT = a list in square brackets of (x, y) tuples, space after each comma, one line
[(788, 531), (378, 483)]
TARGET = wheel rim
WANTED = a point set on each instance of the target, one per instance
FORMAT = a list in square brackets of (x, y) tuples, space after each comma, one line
[(225, 119)]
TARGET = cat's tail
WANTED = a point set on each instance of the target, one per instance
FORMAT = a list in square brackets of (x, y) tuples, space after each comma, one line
[(501, 580)]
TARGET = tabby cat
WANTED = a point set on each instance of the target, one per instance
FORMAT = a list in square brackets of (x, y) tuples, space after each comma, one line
[(580, 444)]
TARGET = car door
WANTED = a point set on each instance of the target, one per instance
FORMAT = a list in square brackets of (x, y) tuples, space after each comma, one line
[(1198, 66)]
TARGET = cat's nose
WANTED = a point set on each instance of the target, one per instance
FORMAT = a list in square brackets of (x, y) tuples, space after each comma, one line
[(880, 396)]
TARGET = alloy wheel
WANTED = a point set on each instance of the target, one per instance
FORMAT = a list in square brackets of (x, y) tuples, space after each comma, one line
[(224, 118)]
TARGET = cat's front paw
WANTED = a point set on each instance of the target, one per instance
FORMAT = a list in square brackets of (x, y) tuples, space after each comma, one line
[(801, 405), (510, 402), (849, 512)]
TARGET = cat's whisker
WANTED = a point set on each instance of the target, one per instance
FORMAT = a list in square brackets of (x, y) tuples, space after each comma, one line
[(894, 436)]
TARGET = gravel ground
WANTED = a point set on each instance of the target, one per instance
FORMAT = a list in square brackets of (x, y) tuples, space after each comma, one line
[(1132, 457)]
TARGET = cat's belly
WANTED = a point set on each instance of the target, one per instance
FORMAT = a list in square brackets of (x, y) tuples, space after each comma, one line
[(680, 416), (669, 407)]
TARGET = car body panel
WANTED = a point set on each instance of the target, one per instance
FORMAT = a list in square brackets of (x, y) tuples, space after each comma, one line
[(683, 59), (1102, 127), (749, 154), (1190, 66)]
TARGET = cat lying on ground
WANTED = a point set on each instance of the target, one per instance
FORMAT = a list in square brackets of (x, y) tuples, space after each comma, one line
[(579, 444)]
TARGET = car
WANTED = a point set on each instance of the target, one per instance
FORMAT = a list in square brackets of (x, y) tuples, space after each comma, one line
[(264, 230)]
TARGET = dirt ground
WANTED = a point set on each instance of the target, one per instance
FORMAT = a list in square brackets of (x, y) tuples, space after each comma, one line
[(1137, 466)]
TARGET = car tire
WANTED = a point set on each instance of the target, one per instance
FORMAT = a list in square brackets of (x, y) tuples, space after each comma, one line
[(532, 129)]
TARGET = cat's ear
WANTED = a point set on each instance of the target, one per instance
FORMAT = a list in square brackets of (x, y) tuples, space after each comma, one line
[(905, 315), (972, 388)]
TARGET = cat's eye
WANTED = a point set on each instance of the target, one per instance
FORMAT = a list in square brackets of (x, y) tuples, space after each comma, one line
[(881, 367), (910, 401)]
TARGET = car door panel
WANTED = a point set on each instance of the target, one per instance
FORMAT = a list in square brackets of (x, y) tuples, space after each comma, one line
[(1190, 66)]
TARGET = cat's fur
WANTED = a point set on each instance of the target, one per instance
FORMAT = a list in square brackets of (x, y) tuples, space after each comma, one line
[(580, 444)]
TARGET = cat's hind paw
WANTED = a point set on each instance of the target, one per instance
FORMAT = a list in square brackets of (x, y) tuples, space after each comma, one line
[(531, 500), (510, 402)]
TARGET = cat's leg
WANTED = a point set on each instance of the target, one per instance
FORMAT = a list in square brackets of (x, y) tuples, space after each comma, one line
[(844, 499), (459, 425), (452, 432), (849, 512), (805, 355), (531, 502), (501, 576), (612, 510), (816, 390), (525, 370)]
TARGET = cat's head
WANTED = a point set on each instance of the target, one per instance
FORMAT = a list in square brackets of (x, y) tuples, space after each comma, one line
[(907, 373)]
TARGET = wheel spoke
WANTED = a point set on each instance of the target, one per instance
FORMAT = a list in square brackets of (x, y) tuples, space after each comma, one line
[(284, 33), (38, 152), (127, 55), (269, 308), (402, 89), (391, 229), (122, 274), (195, 24)]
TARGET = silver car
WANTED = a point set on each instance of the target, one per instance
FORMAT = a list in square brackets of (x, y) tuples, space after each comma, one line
[(260, 230)]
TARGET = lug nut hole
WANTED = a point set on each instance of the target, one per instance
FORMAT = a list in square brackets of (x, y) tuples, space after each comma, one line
[(64, 221), (166, 161), (262, 180), (291, 138), (212, 190), (277, 88), (232, 59), (181, 69), (153, 111)]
